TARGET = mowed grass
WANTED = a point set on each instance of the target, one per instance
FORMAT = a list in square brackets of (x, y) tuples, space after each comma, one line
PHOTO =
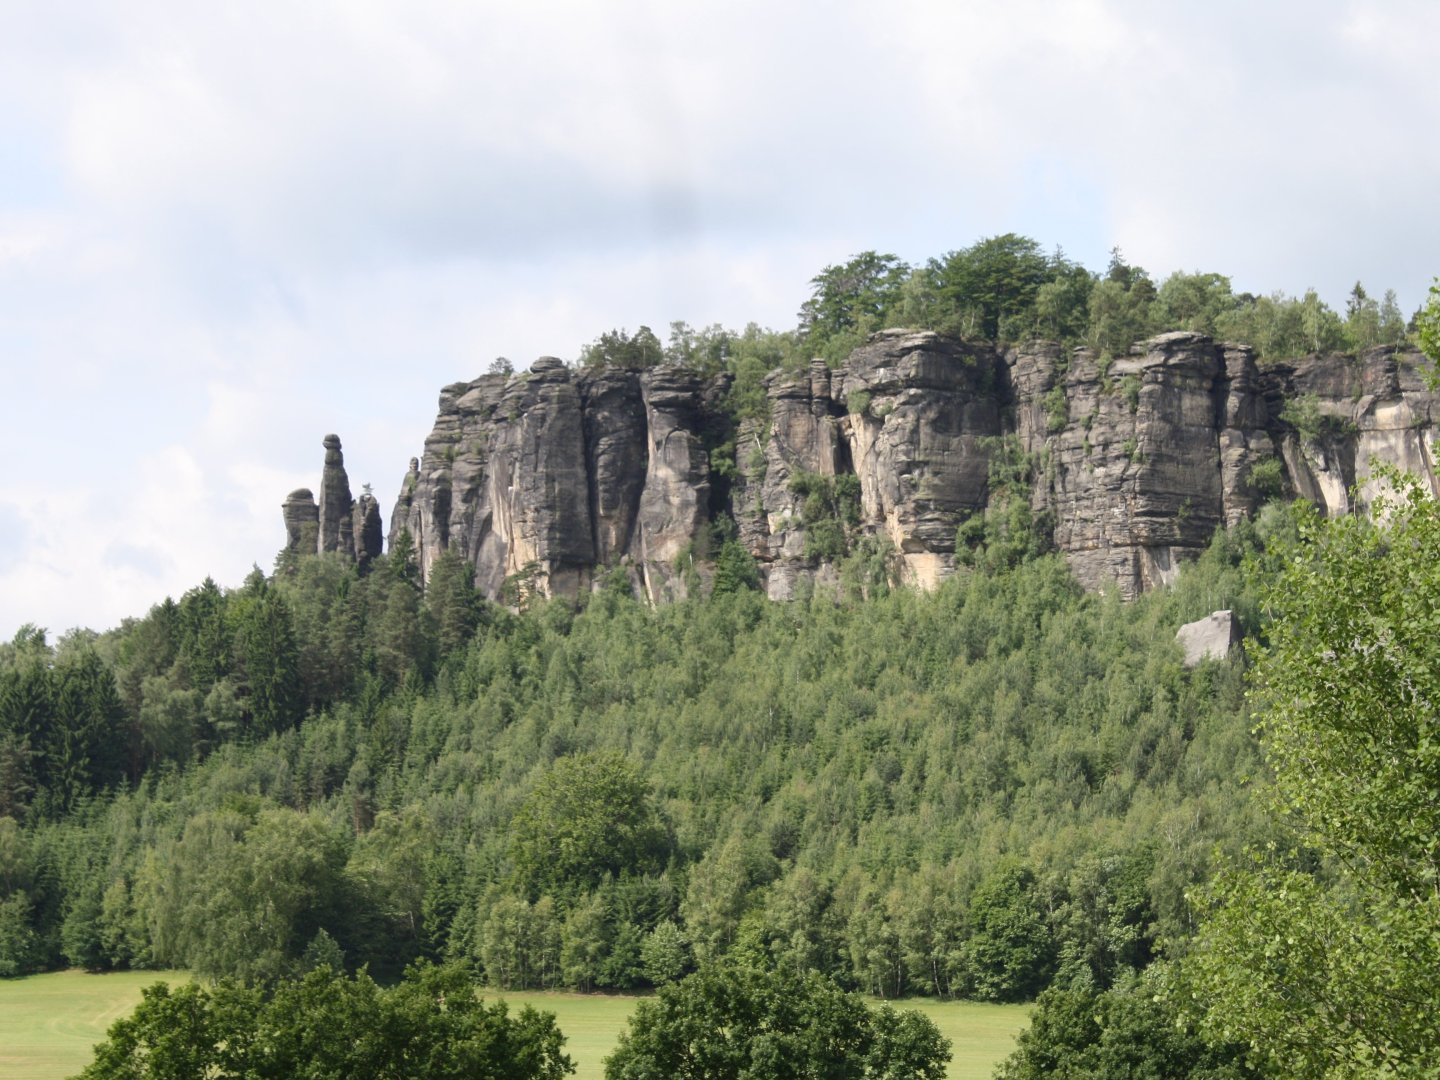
[(981, 1036), (49, 1024)]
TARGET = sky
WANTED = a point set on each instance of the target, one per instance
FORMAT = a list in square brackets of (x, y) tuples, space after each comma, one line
[(229, 228)]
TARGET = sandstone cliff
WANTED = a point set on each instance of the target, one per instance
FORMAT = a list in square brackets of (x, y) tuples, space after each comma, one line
[(548, 479), (544, 478)]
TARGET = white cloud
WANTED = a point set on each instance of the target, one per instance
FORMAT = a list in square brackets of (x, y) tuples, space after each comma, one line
[(227, 230)]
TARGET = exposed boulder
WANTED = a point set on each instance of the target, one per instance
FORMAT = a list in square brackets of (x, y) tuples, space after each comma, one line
[(1210, 638)]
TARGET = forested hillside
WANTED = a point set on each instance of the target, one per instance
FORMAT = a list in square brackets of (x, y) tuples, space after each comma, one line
[(973, 792)]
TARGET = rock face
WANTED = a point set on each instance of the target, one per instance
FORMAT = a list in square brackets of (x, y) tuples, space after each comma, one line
[(1144, 459), (549, 480), (1210, 638), (910, 417), (542, 479), (367, 531), (1135, 476)]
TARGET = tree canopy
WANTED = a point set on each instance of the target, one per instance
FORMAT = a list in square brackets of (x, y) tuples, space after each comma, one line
[(1323, 955), (327, 1026), (735, 1022)]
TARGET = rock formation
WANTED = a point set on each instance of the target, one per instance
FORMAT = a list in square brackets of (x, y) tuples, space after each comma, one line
[(539, 479), (302, 521), (337, 531), (548, 480), (338, 522), (1210, 638)]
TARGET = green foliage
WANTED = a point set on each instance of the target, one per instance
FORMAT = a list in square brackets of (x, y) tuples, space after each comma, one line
[(708, 350), (829, 512), (735, 1021), (588, 815), (243, 898), (1427, 327), (735, 569), (1062, 305), (1057, 408), (1130, 388), (754, 353), (1010, 950), (849, 301), (1369, 323), (990, 288), (267, 660), (1007, 532), (1121, 308), (619, 349), (1267, 478), (63, 730), (1281, 327), (1123, 1032), (330, 1027), (1193, 302), (453, 603), (833, 781), (1325, 960), (1304, 415)]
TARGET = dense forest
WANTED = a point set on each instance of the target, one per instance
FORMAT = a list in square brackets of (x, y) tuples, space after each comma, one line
[(971, 792), (998, 790)]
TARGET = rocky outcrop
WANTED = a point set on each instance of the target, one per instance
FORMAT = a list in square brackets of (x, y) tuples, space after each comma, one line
[(1133, 475), (549, 480), (1144, 458), (337, 531), (367, 530), (541, 480), (924, 412), (302, 521), (338, 523), (1210, 638)]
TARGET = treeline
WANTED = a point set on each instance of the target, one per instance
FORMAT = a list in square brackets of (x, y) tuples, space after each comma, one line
[(1007, 290), (1003, 785)]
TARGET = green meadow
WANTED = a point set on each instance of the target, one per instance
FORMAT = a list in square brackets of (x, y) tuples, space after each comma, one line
[(49, 1023)]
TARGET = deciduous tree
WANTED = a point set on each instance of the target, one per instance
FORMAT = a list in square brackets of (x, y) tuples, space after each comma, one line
[(1326, 959), (731, 1022)]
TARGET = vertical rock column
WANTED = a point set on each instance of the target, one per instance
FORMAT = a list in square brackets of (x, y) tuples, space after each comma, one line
[(337, 530), (368, 533)]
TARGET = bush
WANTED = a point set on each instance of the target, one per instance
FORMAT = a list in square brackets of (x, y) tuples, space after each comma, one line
[(1267, 478)]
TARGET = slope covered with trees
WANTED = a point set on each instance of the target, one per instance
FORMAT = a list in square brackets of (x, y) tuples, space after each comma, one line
[(973, 792)]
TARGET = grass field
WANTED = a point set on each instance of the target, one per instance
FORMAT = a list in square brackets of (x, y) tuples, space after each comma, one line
[(49, 1023), (981, 1036)]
